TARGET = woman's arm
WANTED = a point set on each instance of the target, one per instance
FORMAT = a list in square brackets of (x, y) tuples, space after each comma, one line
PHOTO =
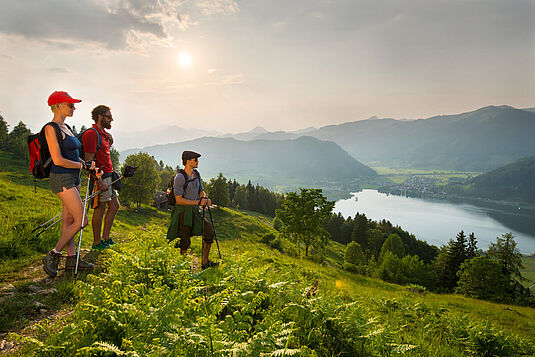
[(55, 151)]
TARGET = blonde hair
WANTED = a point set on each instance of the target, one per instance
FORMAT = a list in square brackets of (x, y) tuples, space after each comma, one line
[(54, 107)]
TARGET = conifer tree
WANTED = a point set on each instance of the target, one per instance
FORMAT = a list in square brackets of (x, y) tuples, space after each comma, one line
[(240, 198), (17, 139), (449, 261), (505, 252), (3, 132), (472, 247), (346, 230), (359, 231), (458, 251), (219, 191)]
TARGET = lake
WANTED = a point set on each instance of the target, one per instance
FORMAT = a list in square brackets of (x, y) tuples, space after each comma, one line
[(438, 221)]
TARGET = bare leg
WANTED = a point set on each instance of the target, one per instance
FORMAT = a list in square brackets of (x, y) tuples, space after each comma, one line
[(113, 207), (96, 221), (73, 210)]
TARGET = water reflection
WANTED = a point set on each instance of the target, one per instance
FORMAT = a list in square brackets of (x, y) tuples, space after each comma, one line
[(438, 221)]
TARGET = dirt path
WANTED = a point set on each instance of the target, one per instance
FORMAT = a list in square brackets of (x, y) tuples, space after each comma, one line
[(33, 299)]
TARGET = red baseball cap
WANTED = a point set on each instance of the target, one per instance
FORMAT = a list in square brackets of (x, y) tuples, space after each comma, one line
[(61, 97)]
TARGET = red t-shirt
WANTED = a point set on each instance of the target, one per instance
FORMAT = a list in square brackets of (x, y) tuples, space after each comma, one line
[(102, 156)]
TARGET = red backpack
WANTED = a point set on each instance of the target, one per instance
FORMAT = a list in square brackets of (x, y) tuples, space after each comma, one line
[(40, 159)]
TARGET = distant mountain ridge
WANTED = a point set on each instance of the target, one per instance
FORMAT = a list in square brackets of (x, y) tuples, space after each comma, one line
[(480, 140), (158, 135), (305, 160)]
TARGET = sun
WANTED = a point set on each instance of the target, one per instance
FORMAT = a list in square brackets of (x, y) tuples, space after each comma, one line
[(185, 60)]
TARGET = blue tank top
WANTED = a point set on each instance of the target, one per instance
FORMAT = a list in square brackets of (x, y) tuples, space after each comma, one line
[(69, 150)]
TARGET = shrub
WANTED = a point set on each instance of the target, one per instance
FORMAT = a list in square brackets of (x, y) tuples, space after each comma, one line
[(276, 244), (267, 238), (353, 254), (483, 278), (277, 224)]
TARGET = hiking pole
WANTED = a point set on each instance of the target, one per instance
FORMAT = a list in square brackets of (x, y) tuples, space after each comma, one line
[(43, 230), (213, 227), (82, 227), (128, 172)]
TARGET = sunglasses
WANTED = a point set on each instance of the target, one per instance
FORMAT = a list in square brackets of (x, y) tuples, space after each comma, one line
[(71, 105), (107, 116)]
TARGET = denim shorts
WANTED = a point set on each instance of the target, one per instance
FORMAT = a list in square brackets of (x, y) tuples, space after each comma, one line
[(60, 181)]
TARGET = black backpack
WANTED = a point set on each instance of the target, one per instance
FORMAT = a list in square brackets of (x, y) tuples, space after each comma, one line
[(40, 159), (99, 141), (171, 200)]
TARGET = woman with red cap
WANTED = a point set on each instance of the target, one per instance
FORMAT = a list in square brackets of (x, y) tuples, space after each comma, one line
[(65, 182)]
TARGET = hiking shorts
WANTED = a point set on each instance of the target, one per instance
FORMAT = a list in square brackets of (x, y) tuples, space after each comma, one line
[(60, 181), (109, 195), (184, 233)]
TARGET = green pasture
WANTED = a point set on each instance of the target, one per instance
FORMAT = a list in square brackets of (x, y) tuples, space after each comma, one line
[(528, 261)]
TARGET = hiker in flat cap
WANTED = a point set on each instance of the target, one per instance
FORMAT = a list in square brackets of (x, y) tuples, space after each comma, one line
[(186, 192)]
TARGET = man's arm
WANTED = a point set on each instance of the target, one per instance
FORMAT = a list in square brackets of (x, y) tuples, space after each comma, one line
[(185, 202)]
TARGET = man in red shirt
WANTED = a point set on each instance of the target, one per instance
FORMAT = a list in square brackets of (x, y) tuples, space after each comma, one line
[(108, 197)]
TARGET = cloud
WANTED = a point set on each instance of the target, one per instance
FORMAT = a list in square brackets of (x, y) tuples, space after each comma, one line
[(113, 24), (210, 7), (60, 70)]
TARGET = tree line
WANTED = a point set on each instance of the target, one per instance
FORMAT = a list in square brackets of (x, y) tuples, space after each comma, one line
[(376, 248), (153, 176)]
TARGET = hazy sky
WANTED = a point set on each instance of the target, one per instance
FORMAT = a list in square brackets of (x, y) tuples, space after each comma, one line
[(284, 65)]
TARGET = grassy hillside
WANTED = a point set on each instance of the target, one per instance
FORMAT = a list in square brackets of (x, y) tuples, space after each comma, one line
[(146, 299), (529, 270), (510, 182)]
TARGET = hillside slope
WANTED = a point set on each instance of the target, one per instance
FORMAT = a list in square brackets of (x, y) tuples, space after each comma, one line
[(511, 182), (147, 299), (480, 140), (305, 160)]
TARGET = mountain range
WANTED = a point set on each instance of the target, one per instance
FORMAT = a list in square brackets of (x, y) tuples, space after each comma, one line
[(479, 140), (304, 160)]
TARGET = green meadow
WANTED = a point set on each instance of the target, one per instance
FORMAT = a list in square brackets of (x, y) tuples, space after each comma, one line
[(145, 299)]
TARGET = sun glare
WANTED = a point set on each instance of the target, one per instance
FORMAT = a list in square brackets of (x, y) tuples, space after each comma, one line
[(185, 60)]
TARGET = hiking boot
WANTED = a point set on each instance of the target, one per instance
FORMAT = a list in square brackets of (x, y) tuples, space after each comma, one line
[(50, 263), (70, 264), (109, 242), (100, 246), (209, 264)]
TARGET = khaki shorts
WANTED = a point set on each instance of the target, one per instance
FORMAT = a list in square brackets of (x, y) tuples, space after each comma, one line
[(109, 195)]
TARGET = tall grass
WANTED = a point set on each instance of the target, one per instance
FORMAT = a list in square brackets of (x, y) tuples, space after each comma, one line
[(260, 302)]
